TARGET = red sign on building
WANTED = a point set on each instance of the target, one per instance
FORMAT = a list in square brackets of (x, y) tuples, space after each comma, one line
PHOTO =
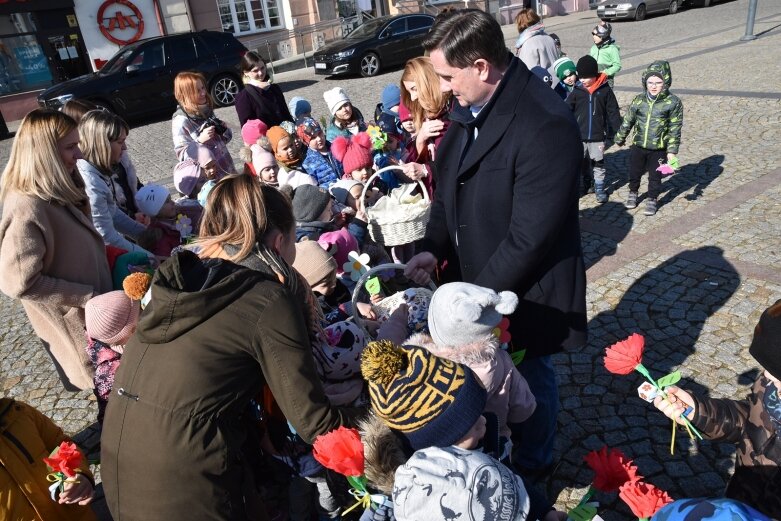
[(120, 21)]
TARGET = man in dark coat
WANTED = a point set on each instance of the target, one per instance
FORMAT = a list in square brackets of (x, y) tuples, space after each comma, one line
[(507, 205)]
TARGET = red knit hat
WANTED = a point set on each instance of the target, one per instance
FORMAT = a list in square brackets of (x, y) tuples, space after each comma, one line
[(353, 153), (111, 317)]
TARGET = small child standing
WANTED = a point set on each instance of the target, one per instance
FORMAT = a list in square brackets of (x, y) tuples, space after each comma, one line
[(355, 155), (656, 116), (596, 110), (319, 161), (605, 51), (161, 235), (754, 423), (347, 120), (462, 319)]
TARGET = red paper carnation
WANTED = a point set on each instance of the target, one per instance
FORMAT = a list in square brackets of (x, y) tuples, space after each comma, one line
[(611, 470), (643, 499), (622, 357), (66, 459), (340, 450)]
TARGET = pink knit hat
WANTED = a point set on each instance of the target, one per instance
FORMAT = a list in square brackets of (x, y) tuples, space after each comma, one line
[(339, 244), (252, 130), (111, 317), (261, 158), (354, 153)]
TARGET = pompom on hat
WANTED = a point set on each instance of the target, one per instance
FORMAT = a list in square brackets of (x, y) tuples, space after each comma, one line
[(252, 130), (431, 401), (151, 198), (335, 98), (462, 313), (355, 153)]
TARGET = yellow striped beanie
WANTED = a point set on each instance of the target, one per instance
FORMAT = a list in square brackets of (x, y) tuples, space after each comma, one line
[(431, 401)]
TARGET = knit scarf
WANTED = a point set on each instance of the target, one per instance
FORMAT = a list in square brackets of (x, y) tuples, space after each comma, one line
[(266, 261), (289, 163), (532, 30)]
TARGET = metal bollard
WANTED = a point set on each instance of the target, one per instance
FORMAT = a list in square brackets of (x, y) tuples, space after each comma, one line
[(752, 13)]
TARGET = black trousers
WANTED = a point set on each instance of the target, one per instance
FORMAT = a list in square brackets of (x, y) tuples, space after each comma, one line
[(642, 160)]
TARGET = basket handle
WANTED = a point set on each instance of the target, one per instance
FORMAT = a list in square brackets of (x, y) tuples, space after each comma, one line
[(366, 276), (388, 168)]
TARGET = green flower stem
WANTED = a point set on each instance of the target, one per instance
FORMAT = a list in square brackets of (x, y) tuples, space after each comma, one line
[(640, 368), (588, 495)]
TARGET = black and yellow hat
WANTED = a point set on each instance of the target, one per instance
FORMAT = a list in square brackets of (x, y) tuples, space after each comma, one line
[(431, 401)]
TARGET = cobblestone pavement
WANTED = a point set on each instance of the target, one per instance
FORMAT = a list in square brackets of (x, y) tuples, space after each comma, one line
[(694, 278)]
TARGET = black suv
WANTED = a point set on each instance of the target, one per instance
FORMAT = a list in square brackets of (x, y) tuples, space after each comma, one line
[(139, 79)]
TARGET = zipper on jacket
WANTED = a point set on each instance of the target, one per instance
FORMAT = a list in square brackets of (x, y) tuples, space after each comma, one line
[(590, 116), (19, 446), (123, 392), (648, 123)]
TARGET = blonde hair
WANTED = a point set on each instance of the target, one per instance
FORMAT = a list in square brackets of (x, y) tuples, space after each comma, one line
[(97, 130), (186, 91), (430, 96), (76, 108), (525, 19), (240, 213), (35, 166)]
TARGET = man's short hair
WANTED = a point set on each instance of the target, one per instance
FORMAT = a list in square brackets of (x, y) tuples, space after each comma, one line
[(467, 36)]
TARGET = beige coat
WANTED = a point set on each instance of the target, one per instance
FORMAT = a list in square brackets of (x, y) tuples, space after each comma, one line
[(53, 259)]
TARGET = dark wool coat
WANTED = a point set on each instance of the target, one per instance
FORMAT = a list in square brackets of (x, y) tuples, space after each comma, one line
[(510, 209), (179, 437), (757, 477), (272, 110)]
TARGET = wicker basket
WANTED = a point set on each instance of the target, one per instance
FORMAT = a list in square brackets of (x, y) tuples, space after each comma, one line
[(388, 304), (400, 223)]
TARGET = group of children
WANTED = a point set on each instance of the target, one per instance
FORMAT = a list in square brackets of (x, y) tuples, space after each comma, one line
[(655, 116)]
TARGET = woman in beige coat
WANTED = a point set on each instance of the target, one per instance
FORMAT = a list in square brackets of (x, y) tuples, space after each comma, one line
[(51, 256)]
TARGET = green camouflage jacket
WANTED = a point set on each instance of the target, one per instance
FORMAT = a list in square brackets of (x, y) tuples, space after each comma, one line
[(657, 123)]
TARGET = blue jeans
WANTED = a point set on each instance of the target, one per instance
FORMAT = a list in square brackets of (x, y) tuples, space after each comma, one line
[(533, 439)]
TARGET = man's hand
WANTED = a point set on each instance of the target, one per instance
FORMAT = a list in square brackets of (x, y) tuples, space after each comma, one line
[(420, 267)]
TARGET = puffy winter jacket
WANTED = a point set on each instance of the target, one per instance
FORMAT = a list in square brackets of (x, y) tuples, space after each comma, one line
[(596, 111), (657, 122), (324, 168)]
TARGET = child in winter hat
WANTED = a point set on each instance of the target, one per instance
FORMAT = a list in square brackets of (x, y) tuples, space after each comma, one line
[(161, 235), (355, 155), (319, 161), (288, 156), (299, 108), (265, 166), (464, 322), (346, 119), (252, 130), (566, 72)]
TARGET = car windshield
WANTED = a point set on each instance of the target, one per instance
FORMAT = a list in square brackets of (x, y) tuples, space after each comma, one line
[(119, 61), (367, 30)]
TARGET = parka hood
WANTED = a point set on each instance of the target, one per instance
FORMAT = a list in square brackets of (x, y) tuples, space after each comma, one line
[(187, 291), (383, 453), (660, 67)]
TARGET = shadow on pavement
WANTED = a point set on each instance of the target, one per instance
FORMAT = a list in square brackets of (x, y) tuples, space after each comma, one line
[(696, 175), (614, 222)]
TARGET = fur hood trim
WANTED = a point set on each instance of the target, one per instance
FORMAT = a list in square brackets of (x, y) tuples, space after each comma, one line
[(473, 354), (383, 453)]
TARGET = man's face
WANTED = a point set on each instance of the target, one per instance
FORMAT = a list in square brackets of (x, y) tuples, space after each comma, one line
[(466, 84)]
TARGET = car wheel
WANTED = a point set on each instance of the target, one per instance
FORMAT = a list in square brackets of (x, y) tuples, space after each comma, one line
[(370, 64), (224, 90), (640, 13), (673, 7)]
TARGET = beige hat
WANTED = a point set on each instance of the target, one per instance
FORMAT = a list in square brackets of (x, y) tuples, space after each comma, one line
[(313, 262)]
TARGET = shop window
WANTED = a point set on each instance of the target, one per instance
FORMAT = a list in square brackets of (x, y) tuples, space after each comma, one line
[(249, 16), (23, 65)]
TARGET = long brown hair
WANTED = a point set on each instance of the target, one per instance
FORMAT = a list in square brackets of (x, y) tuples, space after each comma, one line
[(430, 96), (186, 91), (35, 166), (240, 213)]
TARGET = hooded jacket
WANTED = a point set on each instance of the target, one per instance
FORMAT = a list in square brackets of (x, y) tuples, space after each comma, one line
[(757, 477), (596, 110), (657, 123), (185, 129), (178, 433), (509, 396)]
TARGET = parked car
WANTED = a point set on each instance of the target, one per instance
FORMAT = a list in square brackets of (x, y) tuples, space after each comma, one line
[(139, 79), (609, 10), (377, 43)]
